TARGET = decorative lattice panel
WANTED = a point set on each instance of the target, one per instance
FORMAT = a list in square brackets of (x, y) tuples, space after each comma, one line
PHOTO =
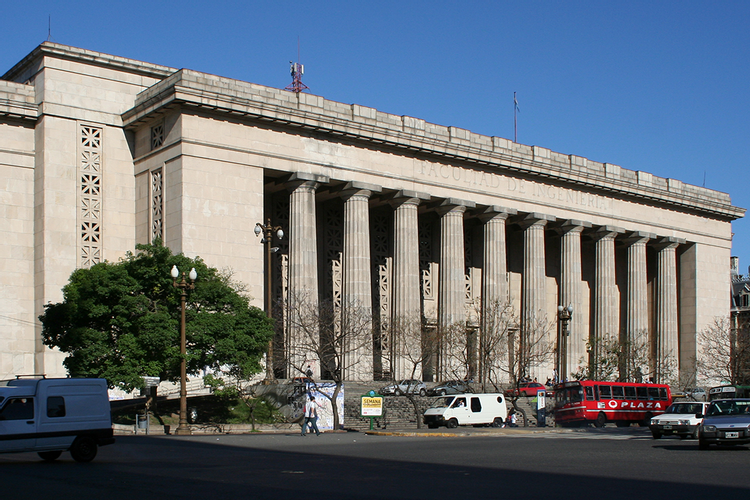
[(90, 199), (425, 259), (157, 136), (157, 205), (381, 261)]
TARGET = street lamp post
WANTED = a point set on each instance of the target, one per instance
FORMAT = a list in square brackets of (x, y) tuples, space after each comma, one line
[(268, 231), (564, 314), (184, 285)]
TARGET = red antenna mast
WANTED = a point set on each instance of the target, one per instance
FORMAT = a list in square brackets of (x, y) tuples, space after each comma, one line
[(297, 70)]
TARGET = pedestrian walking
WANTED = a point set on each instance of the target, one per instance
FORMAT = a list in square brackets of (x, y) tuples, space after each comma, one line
[(311, 417)]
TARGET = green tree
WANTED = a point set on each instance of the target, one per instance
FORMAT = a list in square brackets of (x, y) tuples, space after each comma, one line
[(120, 321)]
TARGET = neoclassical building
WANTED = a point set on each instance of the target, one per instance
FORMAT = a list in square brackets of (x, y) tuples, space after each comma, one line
[(402, 219)]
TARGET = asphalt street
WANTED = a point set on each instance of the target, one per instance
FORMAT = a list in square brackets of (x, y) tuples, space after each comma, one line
[(606, 463)]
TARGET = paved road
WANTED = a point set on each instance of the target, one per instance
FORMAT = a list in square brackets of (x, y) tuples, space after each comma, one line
[(607, 463)]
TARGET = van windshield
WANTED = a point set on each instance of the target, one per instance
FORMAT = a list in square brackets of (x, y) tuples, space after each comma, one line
[(444, 402)]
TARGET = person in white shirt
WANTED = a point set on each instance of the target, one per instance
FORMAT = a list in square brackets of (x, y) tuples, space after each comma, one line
[(311, 417)]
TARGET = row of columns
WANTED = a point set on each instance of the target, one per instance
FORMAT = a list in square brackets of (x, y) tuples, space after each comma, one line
[(406, 305)]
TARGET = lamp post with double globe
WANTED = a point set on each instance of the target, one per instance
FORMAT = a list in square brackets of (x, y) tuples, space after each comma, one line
[(269, 231), (564, 314), (184, 285)]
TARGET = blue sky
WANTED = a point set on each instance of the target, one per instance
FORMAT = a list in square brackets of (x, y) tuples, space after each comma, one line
[(659, 86)]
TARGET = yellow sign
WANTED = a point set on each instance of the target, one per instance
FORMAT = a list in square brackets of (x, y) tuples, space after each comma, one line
[(372, 406)]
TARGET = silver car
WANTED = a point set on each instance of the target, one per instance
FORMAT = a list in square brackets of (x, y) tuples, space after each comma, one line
[(726, 422), (406, 386)]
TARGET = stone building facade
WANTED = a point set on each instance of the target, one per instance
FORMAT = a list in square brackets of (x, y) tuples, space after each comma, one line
[(412, 224)]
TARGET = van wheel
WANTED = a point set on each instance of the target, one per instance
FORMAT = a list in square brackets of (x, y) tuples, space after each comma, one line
[(498, 422), (452, 423), (83, 449), (399, 392), (49, 456), (601, 420)]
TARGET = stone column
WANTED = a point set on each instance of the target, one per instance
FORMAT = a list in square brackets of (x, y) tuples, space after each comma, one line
[(303, 270), (533, 290), (495, 296), (356, 300), (452, 288), (636, 310), (606, 317), (406, 323), (667, 332), (573, 347)]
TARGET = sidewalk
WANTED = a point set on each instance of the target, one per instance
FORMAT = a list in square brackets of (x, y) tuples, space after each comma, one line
[(197, 429)]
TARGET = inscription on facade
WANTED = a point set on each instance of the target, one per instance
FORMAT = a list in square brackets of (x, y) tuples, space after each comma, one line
[(510, 186)]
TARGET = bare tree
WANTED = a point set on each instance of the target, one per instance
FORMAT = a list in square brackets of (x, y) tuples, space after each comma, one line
[(533, 345), (341, 343), (626, 361), (498, 329), (724, 351), (413, 343)]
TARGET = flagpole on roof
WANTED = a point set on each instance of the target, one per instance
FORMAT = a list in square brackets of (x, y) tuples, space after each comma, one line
[(515, 118)]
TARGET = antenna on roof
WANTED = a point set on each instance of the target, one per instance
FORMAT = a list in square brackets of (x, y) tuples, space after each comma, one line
[(297, 70), (49, 28)]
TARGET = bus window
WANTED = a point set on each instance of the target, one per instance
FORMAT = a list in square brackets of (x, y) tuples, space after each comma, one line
[(630, 393), (641, 391), (653, 393), (589, 393), (663, 393), (605, 392), (617, 392)]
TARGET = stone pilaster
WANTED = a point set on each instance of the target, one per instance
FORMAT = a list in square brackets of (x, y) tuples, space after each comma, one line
[(636, 306), (356, 300), (574, 346), (533, 289), (666, 335), (606, 317), (407, 310), (303, 268), (451, 287)]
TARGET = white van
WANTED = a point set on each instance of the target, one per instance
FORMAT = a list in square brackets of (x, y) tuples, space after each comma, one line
[(50, 416), (467, 409)]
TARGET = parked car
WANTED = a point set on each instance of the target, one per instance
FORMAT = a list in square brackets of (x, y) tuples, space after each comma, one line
[(679, 419), (697, 393), (528, 389), (450, 387), (727, 421), (406, 386)]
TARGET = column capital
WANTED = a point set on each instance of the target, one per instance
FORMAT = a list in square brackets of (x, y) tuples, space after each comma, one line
[(356, 188), (607, 232), (535, 219), (407, 197), (573, 226), (637, 237), (495, 212), (453, 205), (297, 179), (668, 242)]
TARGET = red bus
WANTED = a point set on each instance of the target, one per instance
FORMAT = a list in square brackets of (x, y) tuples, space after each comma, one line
[(586, 401)]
